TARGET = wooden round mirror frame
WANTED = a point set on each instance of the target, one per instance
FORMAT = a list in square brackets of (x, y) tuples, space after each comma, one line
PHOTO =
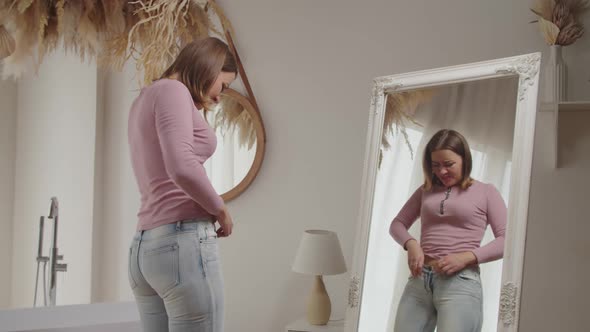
[(260, 145)]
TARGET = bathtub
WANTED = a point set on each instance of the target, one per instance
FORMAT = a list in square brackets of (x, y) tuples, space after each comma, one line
[(112, 317)]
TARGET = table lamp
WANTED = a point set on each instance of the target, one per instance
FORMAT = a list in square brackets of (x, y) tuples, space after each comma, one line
[(319, 254)]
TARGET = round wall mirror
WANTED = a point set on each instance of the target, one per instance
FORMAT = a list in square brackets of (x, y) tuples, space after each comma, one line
[(241, 143)]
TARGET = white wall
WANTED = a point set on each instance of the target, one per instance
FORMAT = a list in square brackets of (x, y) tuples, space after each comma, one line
[(97, 293), (120, 197), (7, 157), (554, 298), (55, 157)]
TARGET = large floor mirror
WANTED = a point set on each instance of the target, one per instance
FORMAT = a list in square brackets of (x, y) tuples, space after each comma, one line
[(493, 104)]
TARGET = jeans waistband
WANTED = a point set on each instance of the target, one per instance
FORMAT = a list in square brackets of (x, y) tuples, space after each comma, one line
[(430, 269), (198, 225), (429, 274)]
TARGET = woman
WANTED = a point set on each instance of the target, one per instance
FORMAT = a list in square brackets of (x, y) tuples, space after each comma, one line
[(174, 268), (444, 290)]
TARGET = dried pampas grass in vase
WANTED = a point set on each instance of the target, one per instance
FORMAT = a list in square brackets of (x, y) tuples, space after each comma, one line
[(559, 20), (560, 25)]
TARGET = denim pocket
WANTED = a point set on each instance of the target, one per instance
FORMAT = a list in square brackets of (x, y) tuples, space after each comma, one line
[(209, 250), (469, 275), (130, 267), (208, 244), (210, 258), (160, 267)]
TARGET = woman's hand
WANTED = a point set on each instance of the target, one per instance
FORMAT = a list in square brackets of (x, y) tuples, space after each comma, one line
[(226, 223), (415, 257), (454, 263)]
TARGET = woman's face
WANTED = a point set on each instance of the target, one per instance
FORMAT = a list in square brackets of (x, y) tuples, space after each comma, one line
[(224, 79), (447, 166)]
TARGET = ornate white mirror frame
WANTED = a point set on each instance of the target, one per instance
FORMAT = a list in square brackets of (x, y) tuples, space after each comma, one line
[(526, 67)]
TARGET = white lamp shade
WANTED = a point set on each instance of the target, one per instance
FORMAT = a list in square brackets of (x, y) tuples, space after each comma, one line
[(319, 253)]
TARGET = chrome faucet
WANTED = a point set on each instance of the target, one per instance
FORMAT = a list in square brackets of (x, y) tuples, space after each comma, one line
[(53, 259), (54, 266)]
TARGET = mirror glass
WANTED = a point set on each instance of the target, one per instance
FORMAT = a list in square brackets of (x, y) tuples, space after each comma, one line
[(236, 123), (484, 112)]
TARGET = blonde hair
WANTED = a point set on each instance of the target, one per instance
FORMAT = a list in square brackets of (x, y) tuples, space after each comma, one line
[(199, 63), (447, 139)]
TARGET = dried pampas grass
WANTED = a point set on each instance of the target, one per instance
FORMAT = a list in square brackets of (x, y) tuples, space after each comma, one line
[(549, 31), (193, 25), (116, 47), (29, 19), (225, 23), (400, 109), (163, 28), (114, 19), (543, 8), (39, 26), (49, 37), (559, 20), (7, 43), (110, 31), (23, 5)]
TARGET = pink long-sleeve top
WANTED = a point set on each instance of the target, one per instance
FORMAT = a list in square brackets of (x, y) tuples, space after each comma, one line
[(169, 141), (462, 226)]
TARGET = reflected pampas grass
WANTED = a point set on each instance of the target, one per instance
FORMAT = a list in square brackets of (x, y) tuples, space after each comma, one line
[(230, 116), (400, 109)]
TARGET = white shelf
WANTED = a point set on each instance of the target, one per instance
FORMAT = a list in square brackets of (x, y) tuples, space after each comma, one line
[(567, 106), (574, 106), (563, 106)]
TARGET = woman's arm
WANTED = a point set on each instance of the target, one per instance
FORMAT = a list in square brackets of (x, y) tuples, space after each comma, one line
[(409, 213), (497, 215), (173, 111)]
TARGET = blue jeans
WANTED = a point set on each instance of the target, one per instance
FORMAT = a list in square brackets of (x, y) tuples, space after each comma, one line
[(449, 303), (175, 275)]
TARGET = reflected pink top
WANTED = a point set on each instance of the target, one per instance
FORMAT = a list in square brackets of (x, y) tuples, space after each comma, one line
[(169, 141), (461, 227)]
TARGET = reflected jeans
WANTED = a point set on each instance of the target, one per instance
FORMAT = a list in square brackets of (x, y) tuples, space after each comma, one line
[(175, 274), (449, 303)]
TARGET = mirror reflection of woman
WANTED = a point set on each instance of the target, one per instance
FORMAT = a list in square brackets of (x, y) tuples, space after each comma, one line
[(174, 265), (444, 290)]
